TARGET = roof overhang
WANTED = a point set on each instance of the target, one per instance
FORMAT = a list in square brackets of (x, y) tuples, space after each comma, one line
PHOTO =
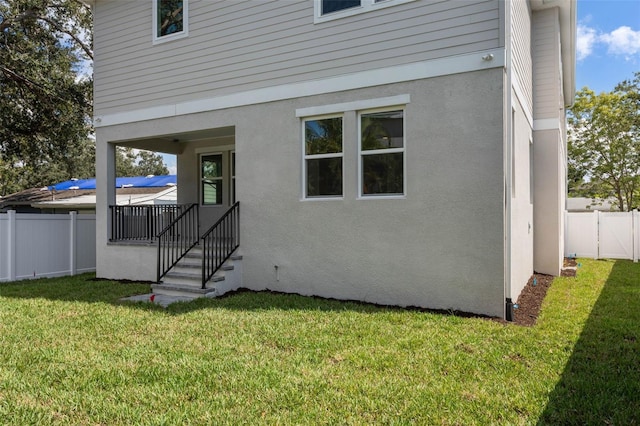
[(568, 34)]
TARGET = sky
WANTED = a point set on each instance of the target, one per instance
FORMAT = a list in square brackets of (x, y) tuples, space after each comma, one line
[(607, 46)]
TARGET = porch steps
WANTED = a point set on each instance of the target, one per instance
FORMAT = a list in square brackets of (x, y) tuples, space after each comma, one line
[(185, 279)]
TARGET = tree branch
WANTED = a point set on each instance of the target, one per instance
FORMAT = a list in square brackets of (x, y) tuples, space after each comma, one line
[(80, 43)]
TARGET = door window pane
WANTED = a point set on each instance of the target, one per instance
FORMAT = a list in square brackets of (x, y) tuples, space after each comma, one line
[(211, 179)]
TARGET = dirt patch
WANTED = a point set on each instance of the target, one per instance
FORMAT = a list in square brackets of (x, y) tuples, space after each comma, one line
[(530, 300)]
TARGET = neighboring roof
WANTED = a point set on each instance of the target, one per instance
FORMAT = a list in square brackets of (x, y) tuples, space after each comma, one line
[(584, 204), (121, 182), (140, 189), (124, 197)]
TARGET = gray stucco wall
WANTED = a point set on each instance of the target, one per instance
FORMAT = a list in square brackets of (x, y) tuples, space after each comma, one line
[(441, 246)]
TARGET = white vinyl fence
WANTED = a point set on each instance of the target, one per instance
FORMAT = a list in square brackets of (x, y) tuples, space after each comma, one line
[(46, 245), (611, 235)]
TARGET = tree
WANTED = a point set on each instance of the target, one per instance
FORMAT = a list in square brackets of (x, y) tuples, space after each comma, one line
[(604, 144), (139, 163), (150, 163), (45, 103)]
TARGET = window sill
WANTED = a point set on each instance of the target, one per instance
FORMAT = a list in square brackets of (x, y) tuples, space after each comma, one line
[(382, 197), (322, 199)]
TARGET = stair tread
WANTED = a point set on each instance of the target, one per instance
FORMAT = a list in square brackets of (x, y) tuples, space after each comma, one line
[(182, 288), (193, 277)]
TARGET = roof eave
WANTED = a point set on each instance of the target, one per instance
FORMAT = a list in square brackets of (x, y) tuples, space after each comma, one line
[(568, 35)]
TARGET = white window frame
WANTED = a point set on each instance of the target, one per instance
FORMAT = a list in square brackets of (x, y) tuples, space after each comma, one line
[(221, 178), (365, 6), (306, 157), (403, 150), (174, 36)]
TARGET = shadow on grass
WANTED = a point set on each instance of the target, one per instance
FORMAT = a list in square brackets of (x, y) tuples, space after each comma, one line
[(601, 381), (84, 288)]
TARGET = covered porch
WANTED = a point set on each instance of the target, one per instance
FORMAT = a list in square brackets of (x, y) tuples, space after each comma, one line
[(189, 247)]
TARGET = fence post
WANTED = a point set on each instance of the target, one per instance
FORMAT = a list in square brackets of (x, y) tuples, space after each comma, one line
[(73, 250), (596, 230), (635, 220), (11, 246)]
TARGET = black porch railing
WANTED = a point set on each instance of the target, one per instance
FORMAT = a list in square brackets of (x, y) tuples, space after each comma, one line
[(219, 242), (142, 223), (175, 240)]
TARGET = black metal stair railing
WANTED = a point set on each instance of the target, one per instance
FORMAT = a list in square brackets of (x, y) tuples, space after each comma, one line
[(219, 242), (176, 239), (141, 223)]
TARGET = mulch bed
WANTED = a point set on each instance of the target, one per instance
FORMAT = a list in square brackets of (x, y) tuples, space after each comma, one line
[(530, 300)]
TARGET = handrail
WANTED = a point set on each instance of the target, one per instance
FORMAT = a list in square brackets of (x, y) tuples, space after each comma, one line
[(176, 239), (219, 242)]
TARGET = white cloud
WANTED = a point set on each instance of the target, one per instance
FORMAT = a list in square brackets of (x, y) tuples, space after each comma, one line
[(622, 41), (587, 38)]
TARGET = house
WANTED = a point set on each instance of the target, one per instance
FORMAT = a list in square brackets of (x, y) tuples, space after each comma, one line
[(585, 204), (400, 152), (80, 195)]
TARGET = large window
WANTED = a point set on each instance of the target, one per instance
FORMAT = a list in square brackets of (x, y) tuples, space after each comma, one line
[(212, 179), (170, 19), (323, 157), (382, 153)]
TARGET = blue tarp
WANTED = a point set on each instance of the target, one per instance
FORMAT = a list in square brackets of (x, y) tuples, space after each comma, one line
[(121, 182)]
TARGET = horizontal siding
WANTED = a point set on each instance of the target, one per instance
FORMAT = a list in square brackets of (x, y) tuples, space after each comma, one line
[(521, 49), (546, 65), (243, 45)]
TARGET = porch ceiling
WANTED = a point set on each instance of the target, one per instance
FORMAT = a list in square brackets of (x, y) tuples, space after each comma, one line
[(175, 143)]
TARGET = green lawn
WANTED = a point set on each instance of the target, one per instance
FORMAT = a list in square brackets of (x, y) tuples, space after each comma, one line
[(71, 353)]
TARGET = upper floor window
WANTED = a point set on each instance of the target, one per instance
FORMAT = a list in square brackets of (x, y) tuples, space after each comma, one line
[(327, 10), (170, 19), (330, 6)]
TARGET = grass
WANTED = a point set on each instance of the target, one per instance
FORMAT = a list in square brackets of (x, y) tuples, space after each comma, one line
[(70, 353)]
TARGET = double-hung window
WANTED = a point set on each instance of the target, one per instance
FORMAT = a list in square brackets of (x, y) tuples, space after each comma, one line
[(326, 10), (170, 19), (323, 157), (382, 149)]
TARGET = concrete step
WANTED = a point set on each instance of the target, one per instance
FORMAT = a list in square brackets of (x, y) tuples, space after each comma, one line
[(184, 281), (182, 291), (190, 278)]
